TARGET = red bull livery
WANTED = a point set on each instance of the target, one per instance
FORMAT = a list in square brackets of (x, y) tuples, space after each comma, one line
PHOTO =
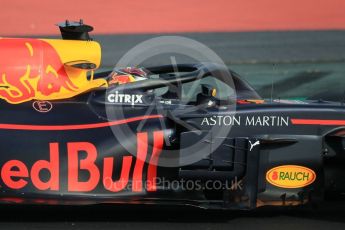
[(187, 134)]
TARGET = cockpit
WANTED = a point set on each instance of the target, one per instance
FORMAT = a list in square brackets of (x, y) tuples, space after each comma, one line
[(190, 85)]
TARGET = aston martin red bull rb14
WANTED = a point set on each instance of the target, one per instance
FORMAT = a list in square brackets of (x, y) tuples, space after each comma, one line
[(185, 134)]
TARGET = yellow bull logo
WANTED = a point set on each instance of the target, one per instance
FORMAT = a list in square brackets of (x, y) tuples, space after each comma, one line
[(32, 69)]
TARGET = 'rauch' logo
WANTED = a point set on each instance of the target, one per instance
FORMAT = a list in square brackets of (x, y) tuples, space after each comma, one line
[(290, 176)]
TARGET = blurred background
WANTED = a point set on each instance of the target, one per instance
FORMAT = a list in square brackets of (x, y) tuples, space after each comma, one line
[(35, 17), (296, 45)]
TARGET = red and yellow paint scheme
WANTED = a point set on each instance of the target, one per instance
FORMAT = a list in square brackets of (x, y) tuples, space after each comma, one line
[(42, 69), (249, 101), (130, 144), (127, 75)]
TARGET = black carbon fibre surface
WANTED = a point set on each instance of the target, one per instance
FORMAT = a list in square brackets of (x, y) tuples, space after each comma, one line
[(303, 51)]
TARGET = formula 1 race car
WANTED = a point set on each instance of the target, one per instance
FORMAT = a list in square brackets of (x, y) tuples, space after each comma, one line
[(187, 134)]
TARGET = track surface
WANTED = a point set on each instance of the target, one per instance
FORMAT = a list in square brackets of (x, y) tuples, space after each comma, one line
[(300, 64), (152, 218), (244, 47)]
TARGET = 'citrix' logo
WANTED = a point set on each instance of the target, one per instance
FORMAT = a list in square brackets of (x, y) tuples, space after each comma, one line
[(125, 98)]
